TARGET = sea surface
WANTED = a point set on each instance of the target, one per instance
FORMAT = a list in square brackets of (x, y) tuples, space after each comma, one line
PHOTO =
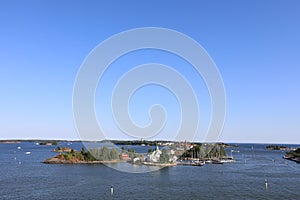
[(24, 176)]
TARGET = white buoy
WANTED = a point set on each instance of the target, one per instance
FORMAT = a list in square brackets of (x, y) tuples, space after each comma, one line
[(111, 190), (266, 184), (19, 147)]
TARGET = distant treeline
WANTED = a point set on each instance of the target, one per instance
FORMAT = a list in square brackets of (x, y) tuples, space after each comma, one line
[(145, 142), (276, 147), (117, 142), (205, 151), (33, 140)]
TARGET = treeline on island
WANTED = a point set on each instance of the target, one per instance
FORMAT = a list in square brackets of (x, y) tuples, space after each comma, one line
[(93, 155), (276, 147), (205, 151), (68, 155), (167, 154), (293, 155)]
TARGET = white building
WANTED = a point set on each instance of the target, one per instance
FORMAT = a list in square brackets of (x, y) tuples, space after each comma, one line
[(154, 157)]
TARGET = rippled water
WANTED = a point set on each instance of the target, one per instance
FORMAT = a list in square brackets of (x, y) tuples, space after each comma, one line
[(25, 177)]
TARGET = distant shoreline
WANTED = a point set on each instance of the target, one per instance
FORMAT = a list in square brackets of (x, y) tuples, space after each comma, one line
[(134, 142), (55, 160)]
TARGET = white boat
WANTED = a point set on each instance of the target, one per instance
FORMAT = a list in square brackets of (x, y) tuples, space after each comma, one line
[(227, 160), (28, 152)]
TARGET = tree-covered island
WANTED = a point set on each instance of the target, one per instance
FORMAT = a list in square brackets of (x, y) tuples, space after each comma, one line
[(293, 155), (95, 155), (162, 154)]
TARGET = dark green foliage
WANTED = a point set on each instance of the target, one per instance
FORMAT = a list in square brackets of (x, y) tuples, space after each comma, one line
[(131, 153), (294, 153), (123, 149), (205, 151), (82, 155), (275, 147), (67, 156), (114, 154), (150, 151), (104, 153), (164, 157), (297, 151)]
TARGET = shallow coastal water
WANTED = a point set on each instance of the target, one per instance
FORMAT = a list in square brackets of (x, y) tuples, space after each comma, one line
[(24, 176)]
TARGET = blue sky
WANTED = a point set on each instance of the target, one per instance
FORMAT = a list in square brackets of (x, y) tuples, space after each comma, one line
[(255, 45)]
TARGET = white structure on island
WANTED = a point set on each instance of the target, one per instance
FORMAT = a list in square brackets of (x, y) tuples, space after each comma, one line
[(154, 157)]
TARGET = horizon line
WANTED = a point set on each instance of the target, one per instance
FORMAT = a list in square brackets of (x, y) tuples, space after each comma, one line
[(160, 140)]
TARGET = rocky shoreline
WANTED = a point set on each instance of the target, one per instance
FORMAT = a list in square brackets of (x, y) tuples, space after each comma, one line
[(56, 160), (60, 161), (293, 155), (293, 158), (71, 156)]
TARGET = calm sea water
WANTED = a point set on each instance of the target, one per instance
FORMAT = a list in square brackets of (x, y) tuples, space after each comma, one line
[(26, 177)]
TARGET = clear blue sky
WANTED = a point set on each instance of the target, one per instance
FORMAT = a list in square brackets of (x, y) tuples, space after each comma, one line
[(255, 44)]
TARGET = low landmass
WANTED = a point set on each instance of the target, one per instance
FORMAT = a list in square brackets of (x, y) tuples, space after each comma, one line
[(171, 154), (64, 149), (293, 155), (277, 147), (33, 140), (93, 156), (116, 142)]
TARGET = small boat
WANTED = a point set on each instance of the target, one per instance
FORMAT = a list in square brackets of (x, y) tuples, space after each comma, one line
[(227, 160), (198, 164), (208, 161), (28, 152), (19, 147), (217, 162)]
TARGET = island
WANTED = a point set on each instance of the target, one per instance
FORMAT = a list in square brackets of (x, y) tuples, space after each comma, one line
[(277, 147), (92, 156), (163, 154), (206, 153), (293, 155), (48, 143), (64, 149)]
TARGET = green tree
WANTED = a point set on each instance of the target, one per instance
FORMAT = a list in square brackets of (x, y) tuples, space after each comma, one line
[(82, 151), (222, 152), (150, 151), (114, 154), (131, 153), (67, 156), (123, 149), (164, 156), (202, 153)]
